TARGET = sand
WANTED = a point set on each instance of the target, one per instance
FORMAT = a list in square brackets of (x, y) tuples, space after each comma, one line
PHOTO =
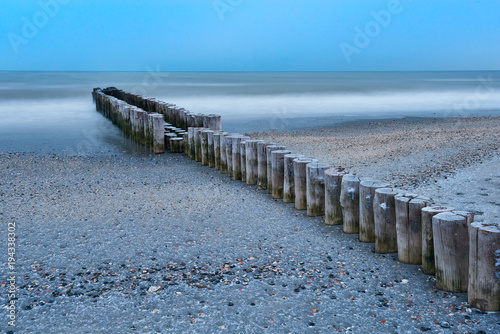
[(135, 243), (454, 161)]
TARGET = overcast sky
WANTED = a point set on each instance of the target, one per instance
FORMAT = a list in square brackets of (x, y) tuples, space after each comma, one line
[(250, 35)]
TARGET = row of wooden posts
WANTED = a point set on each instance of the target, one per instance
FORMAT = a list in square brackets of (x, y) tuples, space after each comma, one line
[(156, 124), (464, 255)]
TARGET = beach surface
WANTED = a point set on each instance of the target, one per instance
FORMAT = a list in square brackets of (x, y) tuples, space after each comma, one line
[(123, 241), (455, 161)]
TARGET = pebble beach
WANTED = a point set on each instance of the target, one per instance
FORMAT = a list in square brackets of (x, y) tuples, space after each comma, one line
[(129, 242)]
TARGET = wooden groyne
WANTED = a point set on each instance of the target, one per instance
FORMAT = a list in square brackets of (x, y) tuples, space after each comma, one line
[(464, 256)]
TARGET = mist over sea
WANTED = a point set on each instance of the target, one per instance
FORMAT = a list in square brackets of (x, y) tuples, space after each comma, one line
[(46, 108)]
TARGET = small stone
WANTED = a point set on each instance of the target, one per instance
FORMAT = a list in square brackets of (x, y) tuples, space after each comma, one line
[(445, 324), (312, 324), (230, 304), (425, 328)]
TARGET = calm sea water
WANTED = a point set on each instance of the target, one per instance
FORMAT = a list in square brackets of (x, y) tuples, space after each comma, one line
[(45, 109)]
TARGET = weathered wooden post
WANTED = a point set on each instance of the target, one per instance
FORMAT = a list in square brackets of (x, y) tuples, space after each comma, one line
[(384, 214), (278, 171), (185, 136), (315, 179), (191, 143), (484, 267), (289, 179), (197, 144), (333, 185), (269, 150), (223, 153), (228, 142), (243, 160), (148, 133), (236, 156), (428, 265), (300, 181), (252, 164), (211, 149), (349, 200), (367, 189), (217, 136), (167, 137), (204, 147), (451, 251), (214, 122), (158, 134), (177, 145), (262, 165), (141, 117), (409, 227)]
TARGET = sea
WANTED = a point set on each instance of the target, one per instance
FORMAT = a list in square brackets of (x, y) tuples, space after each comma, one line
[(54, 110)]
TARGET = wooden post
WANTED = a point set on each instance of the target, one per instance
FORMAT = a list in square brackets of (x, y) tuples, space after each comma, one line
[(191, 143), (197, 144), (141, 118), (252, 163), (333, 186), (177, 145), (300, 181), (409, 227), (148, 133), (198, 118), (205, 159), (185, 136), (269, 150), (228, 142), (428, 265), (218, 149), (484, 271), (384, 214), (367, 189), (243, 160), (349, 200), (211, 149), (315, 179), (278, 171), (223, 153), (451, 251), (214, 122), (262, 165), (158, 134), (288, 180), (236, 156), (167, 138)]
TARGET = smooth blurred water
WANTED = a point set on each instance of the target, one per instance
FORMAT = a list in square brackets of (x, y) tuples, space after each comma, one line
[(54, 107)]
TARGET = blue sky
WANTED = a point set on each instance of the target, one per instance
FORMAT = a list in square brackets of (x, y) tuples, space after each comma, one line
[(250, 35)]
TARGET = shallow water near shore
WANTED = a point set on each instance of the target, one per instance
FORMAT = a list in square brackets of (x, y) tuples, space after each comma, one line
[(44, 110)]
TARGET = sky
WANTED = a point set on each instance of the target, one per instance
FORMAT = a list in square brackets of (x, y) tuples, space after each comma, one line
[(250, 35)]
